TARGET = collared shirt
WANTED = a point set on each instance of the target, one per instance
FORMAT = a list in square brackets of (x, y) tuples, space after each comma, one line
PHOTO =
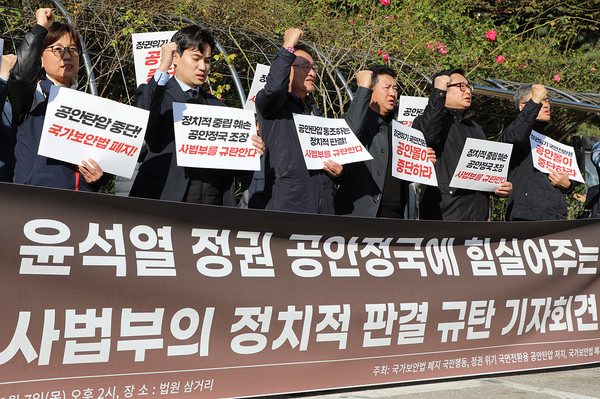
[(161, 78)]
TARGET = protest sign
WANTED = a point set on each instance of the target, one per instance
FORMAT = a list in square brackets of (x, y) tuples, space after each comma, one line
[(111, 135), (409, 156), (483, 165), (208, 136), (409, 108), (548, 155), (147, 53), (259, 81), (323, 138), (1, 50)]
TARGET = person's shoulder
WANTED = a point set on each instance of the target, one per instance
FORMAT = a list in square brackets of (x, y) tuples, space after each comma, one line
[(212, 100)]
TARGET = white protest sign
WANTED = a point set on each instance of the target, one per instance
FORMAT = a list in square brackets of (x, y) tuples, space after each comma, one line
[(259, 81), (323, 138), (548, 155), (483, 165), (409, 156), (215, 137), (111, 135), (1, 50), (409, 108), (146, 54)]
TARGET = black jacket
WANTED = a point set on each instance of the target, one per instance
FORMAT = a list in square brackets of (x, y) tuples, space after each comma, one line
[(289, 185), (533, 196), (361, 190), (446, 131), (29, 99), (159, 177)]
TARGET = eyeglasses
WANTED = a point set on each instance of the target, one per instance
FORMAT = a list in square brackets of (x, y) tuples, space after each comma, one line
[(544, 101), (306, 67), (59, 51), (462, 86)]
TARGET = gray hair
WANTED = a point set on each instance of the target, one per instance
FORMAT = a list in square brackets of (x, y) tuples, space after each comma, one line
[(521, 93)]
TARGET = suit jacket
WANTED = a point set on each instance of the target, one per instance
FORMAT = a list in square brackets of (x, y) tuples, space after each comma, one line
[(159, 177)]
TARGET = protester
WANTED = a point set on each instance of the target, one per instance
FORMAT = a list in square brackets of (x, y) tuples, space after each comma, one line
[(368, 188), (536, 195), (159, 176), (48, 55), (446, 124), (592, 199), (289, 185), (7, 136)]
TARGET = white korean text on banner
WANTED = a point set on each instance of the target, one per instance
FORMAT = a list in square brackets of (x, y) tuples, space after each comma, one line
[(324, 138), (409, 108), (79, 126), (483, 165), (147, 53), (259, 81), (135, 296), (409, 156), (215, 137), (548, 154)]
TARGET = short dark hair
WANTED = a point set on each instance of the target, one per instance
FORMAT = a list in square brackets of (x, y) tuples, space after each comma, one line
[(304, 47), (55, 32), (521, 93), (58, 30), (448, 72), (381, 70), (193, 37)]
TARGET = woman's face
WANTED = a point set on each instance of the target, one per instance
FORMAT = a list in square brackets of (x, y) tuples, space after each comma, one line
[(61, 68)]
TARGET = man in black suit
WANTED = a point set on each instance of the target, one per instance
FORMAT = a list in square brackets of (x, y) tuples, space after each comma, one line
[(159, 177)]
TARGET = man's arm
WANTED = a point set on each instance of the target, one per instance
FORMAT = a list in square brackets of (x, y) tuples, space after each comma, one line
[(150, 96), (430, 122), (271, 98), (519, 131), (357, 113)]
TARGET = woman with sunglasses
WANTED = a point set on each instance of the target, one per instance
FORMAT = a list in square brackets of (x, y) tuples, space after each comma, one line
[(48, 55)]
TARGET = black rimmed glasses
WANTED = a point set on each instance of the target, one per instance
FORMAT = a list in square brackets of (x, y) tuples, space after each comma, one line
[(59, 51), (462, 86), (306, 67)]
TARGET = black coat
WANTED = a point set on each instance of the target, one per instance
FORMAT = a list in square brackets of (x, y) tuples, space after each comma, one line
[(159, 177), (289, 185), (446, 131), (360, 193), (533, 196)]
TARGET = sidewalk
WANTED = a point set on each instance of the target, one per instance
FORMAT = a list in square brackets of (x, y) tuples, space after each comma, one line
[(569, 383)]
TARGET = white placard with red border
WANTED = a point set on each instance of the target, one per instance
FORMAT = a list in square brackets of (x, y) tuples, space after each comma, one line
[(483, 165), (147, 52), (323, 138), (259, 81), (409, 156), (409, 108), (548, 155), (215, 137), (111, 134)]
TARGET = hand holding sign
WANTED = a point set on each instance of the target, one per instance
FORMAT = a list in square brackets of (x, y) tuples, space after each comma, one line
[(559, 179)]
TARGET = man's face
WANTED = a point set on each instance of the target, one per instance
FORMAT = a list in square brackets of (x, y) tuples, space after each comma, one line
[(192, 66), (302, 74), (385, 94), (455, 97), (544, 114)]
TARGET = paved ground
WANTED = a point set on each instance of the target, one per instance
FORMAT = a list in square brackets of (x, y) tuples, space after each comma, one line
[(569, 383)]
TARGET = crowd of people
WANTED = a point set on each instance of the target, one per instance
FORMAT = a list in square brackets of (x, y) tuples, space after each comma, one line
[(49, 55)]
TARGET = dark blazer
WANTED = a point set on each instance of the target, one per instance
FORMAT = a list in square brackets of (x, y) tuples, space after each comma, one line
[(533, 197), (446, 131), (289, 185), (159, 177)]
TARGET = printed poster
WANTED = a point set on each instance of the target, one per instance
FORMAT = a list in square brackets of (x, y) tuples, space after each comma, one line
[(111, 135), (549, 154), (215, 137), (147, 52), (259, 81), (409, 156), (324, 138)]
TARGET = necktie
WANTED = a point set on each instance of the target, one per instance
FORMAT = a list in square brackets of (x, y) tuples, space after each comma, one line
[(194, 97)]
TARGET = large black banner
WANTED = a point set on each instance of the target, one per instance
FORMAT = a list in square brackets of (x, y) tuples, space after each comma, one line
[(107, 297)]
